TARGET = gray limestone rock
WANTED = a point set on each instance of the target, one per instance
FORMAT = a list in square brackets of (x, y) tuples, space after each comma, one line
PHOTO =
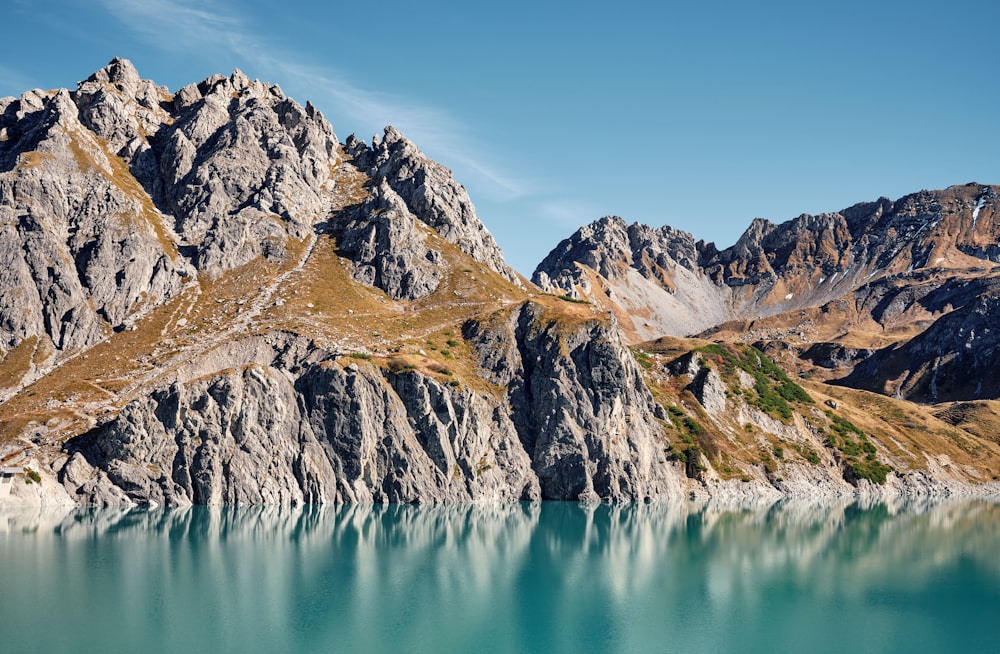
[(110, 193), (83, 248), (705, 382), (652, 273), (241, 169), (117, 196), (260, 435), (580, 406), (388, 246)]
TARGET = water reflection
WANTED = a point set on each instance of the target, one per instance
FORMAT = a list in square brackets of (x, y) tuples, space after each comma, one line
[(529, 577)]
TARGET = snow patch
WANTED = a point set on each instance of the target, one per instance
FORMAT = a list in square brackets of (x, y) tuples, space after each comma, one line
[(972, 338), (979, 207), (788, 297)]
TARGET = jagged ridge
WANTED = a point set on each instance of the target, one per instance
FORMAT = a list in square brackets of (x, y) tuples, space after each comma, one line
[(821, 282)]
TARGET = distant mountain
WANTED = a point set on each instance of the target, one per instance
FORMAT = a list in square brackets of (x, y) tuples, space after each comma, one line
[(835, 289), (206, 298)]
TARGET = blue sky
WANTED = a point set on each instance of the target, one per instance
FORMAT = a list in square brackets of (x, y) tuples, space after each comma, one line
[(700, 115)]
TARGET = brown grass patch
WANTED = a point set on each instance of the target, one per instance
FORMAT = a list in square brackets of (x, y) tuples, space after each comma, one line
[(17, 362), (910, 431), (980, 418), (33, 159)]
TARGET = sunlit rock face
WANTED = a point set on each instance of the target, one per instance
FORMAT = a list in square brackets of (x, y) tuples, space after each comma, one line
[(884, 271)]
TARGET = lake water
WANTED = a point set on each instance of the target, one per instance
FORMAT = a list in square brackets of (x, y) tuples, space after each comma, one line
[(682, 577)]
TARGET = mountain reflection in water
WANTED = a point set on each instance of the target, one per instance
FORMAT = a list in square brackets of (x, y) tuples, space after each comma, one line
[(918, 576)]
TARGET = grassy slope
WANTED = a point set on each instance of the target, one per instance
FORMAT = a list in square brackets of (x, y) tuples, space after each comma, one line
[(905, 435)]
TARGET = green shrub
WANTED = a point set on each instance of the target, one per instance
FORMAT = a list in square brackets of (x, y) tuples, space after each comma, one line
[(807, 453), (859, 452), (869, 468), (773, 389), (397, 366), (692, 426), (642, 358)]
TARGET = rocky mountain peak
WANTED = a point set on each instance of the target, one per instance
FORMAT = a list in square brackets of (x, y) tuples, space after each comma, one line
[(648, 277), (610, 246), (119, 72), (431, 193), (117, 194)]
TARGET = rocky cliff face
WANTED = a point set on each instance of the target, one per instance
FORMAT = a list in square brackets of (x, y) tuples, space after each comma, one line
[(585, 417), (153, 241), (237, 166), (113, 196), (83, 248), (297, 425), (388, 246)]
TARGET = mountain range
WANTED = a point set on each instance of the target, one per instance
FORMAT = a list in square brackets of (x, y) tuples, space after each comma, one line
[(207, 298)]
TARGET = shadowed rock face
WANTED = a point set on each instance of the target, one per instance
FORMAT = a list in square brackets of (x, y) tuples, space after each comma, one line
[(954, 359), (585, 418)]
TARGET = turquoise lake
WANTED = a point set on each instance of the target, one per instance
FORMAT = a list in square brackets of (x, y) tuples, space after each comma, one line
[(551, 577)]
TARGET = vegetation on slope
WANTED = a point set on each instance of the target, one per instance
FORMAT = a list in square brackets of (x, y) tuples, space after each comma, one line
[(774, 392), (866, 435)]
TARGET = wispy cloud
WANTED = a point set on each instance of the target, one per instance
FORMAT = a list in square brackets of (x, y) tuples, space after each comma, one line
[(566, 212), (174, 24), (13, 83), (217, 26)]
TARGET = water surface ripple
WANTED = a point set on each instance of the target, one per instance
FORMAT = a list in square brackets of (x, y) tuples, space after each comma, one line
[(551, 577)]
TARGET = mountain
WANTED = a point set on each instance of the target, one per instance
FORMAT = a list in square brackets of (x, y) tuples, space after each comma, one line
[(208, 298), (894, 297)]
